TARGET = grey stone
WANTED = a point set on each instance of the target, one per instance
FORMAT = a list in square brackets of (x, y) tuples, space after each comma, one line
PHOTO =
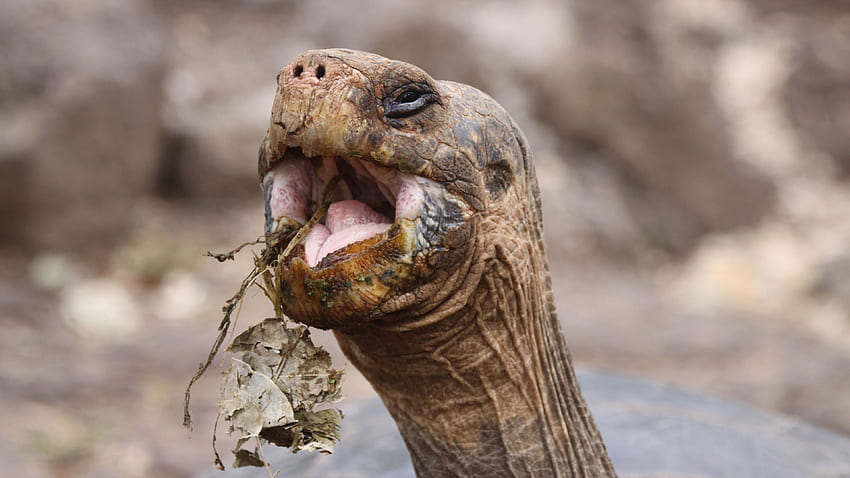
[(649, 429)]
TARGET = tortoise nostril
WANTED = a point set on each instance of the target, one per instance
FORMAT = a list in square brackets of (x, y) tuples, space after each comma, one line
[(320, 71), (296, 72)]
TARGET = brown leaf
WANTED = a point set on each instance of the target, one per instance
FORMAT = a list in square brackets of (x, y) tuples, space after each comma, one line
[(271, 388)]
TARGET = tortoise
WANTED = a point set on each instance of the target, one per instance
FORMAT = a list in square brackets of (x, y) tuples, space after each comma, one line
[(431, 271)]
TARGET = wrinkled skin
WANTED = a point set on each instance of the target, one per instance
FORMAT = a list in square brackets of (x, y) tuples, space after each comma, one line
[(449, 312)]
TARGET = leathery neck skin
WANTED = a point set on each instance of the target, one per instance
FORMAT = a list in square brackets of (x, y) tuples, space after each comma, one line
[(488, 389)]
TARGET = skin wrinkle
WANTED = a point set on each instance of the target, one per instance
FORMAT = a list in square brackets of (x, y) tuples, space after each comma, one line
[(559, 362), (521, 331), (506, 257), (517, 382), (554, 416), (485, 465), (490, 389), (540, 370), (501, 355), (432, 449), (432, 307), (437, 356), (462, 344), (562, 440), (448, 307)]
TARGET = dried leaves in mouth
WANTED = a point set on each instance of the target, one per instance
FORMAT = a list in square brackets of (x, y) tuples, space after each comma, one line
[(278, 376), (271, 390)]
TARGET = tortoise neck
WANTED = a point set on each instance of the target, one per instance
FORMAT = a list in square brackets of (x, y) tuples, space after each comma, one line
[(488, 390)]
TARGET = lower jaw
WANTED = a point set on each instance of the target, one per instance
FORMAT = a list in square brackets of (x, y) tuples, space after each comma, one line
[(349, 288)]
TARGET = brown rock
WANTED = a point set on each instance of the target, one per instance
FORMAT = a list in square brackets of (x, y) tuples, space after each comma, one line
[(635, 89), (80, 103)]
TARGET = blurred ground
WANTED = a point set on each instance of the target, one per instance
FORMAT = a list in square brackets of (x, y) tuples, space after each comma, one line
[(693, 159)]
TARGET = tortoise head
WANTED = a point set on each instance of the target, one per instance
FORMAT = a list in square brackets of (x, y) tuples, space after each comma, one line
[(426, 171)]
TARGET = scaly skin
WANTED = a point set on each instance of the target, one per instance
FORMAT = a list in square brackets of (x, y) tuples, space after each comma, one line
[(451, 318)]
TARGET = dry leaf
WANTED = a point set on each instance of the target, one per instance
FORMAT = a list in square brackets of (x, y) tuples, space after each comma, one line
[(272, 387)]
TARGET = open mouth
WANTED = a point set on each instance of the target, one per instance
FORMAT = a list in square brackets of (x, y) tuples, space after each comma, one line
[(365, 202), (373, 235)]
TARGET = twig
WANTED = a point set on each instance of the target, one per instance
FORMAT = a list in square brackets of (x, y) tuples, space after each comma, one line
[(217, 460), (285, 356), (317, 216), (263, 457), (223, 328), (231, 255)]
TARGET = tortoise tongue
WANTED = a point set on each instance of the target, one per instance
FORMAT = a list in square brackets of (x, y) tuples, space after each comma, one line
[(347, 222)]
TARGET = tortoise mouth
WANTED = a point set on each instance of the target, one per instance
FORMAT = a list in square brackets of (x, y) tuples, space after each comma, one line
[(382, 234), (365, 202)]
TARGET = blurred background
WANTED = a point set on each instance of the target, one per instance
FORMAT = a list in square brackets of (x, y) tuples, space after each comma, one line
[(694, 161)]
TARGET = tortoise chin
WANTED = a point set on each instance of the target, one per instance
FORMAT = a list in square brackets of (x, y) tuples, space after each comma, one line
[(382, 236)]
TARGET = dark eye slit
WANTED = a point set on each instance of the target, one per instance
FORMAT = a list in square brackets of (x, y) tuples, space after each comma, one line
[(409, 102), (408, 97)]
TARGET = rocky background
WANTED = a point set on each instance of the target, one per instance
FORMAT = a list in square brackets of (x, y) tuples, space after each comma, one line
[(694, 160)]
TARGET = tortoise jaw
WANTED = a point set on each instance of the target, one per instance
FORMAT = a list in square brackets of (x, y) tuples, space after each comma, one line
[(373, 244), (351, 283)]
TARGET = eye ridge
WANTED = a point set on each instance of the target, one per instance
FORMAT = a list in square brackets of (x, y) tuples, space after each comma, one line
[(409, 102)]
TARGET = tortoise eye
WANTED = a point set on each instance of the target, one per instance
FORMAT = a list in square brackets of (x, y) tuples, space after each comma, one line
[(409, 102), (408, 97)]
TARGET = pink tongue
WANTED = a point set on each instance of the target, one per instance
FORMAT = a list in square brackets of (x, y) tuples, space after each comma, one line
[(347, 222)]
